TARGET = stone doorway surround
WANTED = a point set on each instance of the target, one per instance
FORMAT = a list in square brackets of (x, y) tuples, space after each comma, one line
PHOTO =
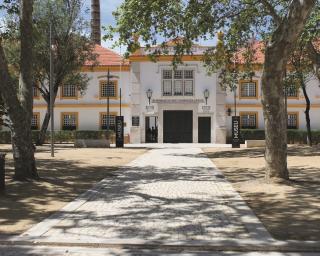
[(178, 107)]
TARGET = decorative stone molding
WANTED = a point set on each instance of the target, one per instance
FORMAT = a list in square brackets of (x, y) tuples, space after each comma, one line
[(150, 109), (178, 101)]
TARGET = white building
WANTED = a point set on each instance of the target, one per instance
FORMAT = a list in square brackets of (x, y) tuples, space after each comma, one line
[(178, 110)]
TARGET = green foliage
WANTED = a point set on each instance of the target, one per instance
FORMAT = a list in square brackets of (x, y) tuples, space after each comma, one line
[(61, 136), (72, 47), (185, 22)]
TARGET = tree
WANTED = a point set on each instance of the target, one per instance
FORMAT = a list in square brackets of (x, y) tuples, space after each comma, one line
[(72, 49), (304, 62), (279, 23), (18, 98), (95, 22), (301, 72)]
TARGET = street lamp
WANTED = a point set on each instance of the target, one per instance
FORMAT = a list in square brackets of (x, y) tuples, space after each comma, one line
[(149, 95), (108, 76), (51, 89), (206, 94)]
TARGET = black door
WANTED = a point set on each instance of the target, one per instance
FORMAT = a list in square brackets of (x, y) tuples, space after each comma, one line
[(204, 129), (177, 126), (151, 129)]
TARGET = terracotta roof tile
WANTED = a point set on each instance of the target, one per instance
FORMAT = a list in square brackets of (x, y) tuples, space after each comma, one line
[(258, 47), (107, 57)]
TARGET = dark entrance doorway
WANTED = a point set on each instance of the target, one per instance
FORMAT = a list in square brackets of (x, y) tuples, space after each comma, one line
[(151, 129), (177, 126), (204, 129)]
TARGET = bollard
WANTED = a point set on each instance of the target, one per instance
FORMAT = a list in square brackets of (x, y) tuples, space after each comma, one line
[(2, 173)]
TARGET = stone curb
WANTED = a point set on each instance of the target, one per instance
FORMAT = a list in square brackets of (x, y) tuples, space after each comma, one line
[(234, 245)]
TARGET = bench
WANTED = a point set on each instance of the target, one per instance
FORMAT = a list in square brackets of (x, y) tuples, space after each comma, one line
[(255, 143), (91, 143)]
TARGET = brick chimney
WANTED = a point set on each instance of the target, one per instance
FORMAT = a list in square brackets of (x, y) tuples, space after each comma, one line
[(95, 22)]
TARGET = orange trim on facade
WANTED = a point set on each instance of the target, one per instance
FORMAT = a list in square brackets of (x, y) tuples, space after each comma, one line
[(83, 106), (69, 113), (297, 114), (62, 97), (105, 113), (38, 119), (125, 68), (260, 105), (241, 82), (250, 113), (100, 90), (144, 58), (37, 96)]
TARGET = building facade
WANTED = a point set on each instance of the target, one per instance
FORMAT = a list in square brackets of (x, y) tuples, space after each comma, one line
[(165, 104)]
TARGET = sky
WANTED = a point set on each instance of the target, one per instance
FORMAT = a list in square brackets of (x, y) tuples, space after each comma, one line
[(107, 7)]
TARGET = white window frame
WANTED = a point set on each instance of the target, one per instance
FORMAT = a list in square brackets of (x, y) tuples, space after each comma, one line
[(178, 82)]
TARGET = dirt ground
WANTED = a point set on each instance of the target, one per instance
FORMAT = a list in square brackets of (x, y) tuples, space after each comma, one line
[(71, 172), (289, 211)]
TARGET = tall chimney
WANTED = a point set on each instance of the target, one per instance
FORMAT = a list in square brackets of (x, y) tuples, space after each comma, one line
[(95, 22)]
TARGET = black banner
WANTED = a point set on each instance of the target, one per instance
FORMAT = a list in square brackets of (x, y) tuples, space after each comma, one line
[(119, 132), (236, 131)]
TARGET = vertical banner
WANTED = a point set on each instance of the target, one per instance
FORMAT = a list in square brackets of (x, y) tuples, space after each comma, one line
[(236, 132), (119, 132)]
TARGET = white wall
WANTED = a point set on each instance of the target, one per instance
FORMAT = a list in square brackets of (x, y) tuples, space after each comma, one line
[(294, 105), (88, 106)]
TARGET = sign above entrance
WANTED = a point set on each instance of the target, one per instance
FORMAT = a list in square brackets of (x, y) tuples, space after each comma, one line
[(178, 101), (206, 109), (150, 109)]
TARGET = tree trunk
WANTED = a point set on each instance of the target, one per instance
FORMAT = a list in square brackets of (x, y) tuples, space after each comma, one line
[(95, 22), (44, 127), (46, 120), (23, 154), (20, 109), (275, 115), (307, 113)]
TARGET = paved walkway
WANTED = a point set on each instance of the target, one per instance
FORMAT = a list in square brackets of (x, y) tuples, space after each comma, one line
[(170, 201), (168, 196)]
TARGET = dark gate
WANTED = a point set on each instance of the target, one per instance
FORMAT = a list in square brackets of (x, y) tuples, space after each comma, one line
[(177, 126), (151, 129), (204, 129)]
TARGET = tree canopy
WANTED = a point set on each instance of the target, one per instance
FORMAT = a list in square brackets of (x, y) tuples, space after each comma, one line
[(276, 22)]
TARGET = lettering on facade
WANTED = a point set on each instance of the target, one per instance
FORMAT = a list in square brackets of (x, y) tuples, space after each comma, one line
[(119, 131), (178, 101), (206, 109), (236, 131)]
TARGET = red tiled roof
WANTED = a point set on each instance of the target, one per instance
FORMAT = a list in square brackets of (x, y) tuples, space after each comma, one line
[(258, 47), (106, 57)]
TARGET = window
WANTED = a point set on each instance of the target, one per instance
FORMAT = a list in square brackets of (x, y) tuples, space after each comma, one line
[(292, 121), (292, 91), (36, 92), (248, 120), (69, 121), (69, 91), (35, 121), (104, 121), (178, 82), (110, 90), (248, 90), (135, 121)]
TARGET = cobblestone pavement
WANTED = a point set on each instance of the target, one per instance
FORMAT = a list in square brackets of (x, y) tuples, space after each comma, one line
[(168, 195)]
